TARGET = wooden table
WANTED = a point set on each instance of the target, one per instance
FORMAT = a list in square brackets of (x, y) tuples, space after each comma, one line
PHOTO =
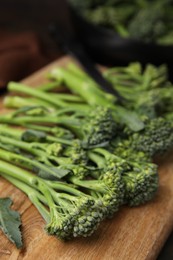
[(133, 234)]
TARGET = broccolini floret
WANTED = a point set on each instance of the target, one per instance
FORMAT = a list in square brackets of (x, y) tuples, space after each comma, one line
[(156, 138), (147, 91), (140, 178), (99, 126), (67, 215), (147, 24), (141, 183), (93, 128), (142, 20), (108, 189)]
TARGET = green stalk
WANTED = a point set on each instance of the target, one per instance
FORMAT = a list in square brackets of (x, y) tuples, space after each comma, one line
[(63, 187), (89, 92), (67, 97), (49, 86), (64, 120), (72, 67), (35, 182), (18, 133), (29, 147), (26, 162), (42, 187), (97, 159), (18, 102), (8, 131), (73, 124), (95, 96), (34, 149), (34, 196), (104, 152), (95, 185), (21, 88), (18, 173), (41, 128)]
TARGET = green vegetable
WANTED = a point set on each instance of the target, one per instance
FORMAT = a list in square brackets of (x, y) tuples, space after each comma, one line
[(157, 138), (10, 222), (94, 96), (69, 214), (140, 179), (147, 91), (95, 128), (80, 159), (143, 20)]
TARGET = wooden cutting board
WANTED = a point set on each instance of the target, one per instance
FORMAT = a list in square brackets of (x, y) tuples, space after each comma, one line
[(133, 234)]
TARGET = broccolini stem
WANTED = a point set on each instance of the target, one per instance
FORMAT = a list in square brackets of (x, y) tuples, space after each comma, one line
[(55, 131), (89, 92), (35, 182), (26, 162), (33, 148), (20, 144), (63, 187), (18, 102), (47, 194), (8, 131), (93, 95), (18, 173), (95, 185), (72, 67), (49, 86), (22, 120), (18, 133), (97, 159), (21, 88), (67, 97), (34, 196), (104, 152)]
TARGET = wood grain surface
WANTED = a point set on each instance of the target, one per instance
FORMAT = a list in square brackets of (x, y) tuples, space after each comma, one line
[(133, 234)]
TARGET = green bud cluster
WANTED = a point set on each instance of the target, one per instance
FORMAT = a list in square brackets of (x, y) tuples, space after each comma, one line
[(99, 126), (157, 137)]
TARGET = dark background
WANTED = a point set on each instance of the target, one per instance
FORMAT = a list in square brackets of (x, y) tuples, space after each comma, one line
[(28, 21)]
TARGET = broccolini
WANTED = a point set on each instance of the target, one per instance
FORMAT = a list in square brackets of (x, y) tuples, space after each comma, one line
[(88, 156)]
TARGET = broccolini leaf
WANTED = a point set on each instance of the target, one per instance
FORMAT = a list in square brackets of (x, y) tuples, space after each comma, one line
[(130, 118), (30, 110), (59, 173), (33, 136), (10, 222), (10, 148)]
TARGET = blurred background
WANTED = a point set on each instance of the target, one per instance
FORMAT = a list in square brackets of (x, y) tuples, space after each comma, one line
[(127, 31)]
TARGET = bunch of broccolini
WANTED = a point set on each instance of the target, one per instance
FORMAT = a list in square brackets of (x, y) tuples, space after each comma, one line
[(78, 155), (150, 21)]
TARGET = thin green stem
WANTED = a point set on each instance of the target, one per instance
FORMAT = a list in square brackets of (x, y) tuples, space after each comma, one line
[(102, 151), (97, 159), (18, 173), (95, 185), (21, 88), (22, 120), (18, 102), (27, 162), (49, 86), (34, 196), (63, 187), (23, 145), (17, 133), (89, 92)]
